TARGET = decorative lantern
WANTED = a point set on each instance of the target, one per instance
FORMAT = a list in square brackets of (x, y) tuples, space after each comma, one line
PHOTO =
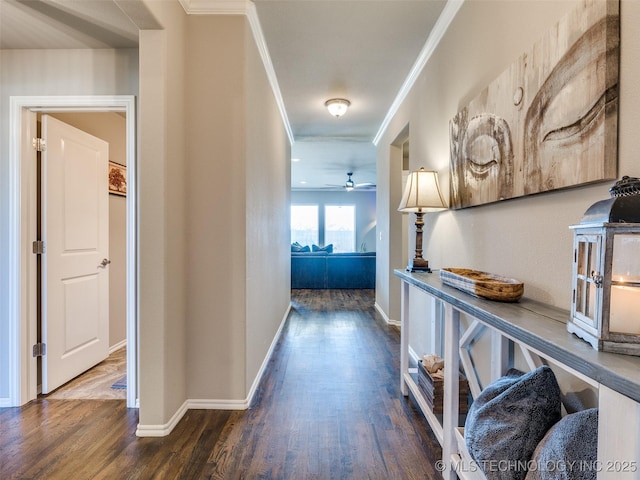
[(605, 308)]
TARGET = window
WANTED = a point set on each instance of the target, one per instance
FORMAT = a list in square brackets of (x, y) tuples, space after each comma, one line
[(335, 224), (304, 224), (339, 227)]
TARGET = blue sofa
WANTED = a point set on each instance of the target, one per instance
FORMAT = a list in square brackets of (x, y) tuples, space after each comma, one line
[(333, 270)]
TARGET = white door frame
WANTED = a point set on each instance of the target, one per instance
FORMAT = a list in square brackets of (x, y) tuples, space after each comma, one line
[(22, 262)]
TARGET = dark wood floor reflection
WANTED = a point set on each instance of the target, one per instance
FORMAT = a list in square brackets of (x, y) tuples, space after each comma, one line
[(329, 407)]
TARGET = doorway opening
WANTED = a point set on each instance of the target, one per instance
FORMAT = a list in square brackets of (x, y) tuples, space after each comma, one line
[(23, 371), (405, 218), (397, 246)]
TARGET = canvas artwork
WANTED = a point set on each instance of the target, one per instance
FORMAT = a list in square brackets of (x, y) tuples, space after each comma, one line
[(549, 121), (117, 179)]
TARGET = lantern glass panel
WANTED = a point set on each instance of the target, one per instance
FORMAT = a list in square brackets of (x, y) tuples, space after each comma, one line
[(582, 247), (580, 289), (624, 314), (591, 297), (586, 271)]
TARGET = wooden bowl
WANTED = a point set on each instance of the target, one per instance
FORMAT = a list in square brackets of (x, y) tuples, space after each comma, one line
[(483, 284)]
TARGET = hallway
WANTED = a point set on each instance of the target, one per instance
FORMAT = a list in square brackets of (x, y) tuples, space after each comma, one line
[(329, 406)]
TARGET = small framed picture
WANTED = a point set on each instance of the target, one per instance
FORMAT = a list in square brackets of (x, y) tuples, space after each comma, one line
[(117, 179)]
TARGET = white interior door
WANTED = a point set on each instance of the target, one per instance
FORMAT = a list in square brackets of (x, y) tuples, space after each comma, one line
[(75, 271)]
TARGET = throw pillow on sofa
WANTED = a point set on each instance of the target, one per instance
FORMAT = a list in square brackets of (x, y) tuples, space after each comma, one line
[(326, 248), (296, 247), (569, 450), (508, 420)]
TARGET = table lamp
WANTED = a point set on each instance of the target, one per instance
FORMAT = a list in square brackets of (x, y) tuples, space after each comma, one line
[(421, 194)]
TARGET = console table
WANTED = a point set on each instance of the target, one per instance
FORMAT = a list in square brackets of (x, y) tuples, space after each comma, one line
[(539, 331)]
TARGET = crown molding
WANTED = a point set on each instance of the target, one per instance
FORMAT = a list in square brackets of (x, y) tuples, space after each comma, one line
[(442, 24), (261, 43), (216, 7), (247, 8)]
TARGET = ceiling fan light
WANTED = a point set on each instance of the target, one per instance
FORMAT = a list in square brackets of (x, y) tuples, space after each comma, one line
[(337, 106)]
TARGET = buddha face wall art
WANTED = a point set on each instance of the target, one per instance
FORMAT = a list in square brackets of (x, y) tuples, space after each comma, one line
[(549, 121)]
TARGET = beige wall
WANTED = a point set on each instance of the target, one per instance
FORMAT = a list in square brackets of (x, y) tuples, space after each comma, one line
[(237, 210), (268, 180), (214, 219), (111, 127), (162, 221), (526, 238), (49, 72), (216, 207), (213, 198)]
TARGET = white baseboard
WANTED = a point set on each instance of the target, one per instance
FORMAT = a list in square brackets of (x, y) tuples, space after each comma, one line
[(389, 321), (117, 346), (213, 404), (5, 402), (192, 404), (163, 430), (265, 362)]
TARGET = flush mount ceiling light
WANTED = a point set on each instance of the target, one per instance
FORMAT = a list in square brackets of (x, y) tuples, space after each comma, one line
[(337, 106)]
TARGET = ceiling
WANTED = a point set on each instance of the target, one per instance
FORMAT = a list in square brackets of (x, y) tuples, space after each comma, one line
[(361, 50), (65, 24)]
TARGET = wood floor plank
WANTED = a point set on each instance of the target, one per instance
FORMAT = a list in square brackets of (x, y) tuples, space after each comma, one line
[(96, 383), (328, 407)]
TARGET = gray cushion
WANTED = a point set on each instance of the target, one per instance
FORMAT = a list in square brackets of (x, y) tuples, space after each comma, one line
[(509, 418), (326, 248), (296, 247), (569, 450)]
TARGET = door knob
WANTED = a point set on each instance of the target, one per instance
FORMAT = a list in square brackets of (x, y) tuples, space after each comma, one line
[(105, 262)]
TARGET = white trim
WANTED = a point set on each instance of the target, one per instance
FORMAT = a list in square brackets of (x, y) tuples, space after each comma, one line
[(21, 363), (263, 367), (214, 404), (395, 323), (133, 254), (216, 7), (162, 430), (16, 369), (261, 43), (442, 24), (192, 404), (117, 346)]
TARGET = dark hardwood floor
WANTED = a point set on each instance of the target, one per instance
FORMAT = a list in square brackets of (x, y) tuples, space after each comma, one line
[(329, 407)]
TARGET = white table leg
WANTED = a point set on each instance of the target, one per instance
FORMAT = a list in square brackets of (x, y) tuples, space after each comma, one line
[(451, 387), (404, 337)]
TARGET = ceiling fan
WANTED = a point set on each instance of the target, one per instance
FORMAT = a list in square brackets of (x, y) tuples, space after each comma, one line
[(351, 185)]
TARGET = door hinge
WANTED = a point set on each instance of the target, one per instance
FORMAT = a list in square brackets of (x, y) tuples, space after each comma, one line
[(39, 349), (38, 247), (39, 144)]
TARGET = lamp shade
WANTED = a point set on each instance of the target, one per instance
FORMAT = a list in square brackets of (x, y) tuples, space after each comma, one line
[(422, 193)]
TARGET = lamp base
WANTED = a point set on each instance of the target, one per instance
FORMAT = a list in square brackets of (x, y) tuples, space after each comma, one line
[(418, 265)]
